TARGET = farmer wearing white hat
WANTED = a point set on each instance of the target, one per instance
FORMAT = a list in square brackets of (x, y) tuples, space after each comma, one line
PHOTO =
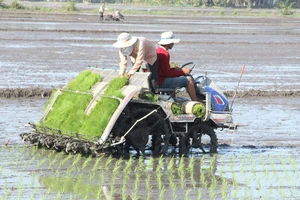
[(139, 49), (172, 77)]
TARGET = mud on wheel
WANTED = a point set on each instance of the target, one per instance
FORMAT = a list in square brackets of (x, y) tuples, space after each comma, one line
[(154, 125), (194, 139)]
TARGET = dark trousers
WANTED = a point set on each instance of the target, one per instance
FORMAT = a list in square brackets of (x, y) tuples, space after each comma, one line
[(154, 76), (100, 15)]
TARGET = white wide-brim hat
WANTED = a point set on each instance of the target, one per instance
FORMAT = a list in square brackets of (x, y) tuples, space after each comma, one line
[(168, 38), (125, 40)]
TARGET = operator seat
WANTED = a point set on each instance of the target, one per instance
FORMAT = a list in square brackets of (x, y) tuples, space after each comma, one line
[(153, 81)]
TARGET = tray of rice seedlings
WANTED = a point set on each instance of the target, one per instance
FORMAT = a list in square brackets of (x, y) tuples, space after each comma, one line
[(77, 115)]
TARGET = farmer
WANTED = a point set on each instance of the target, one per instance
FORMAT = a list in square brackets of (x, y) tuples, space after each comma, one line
[(140, 50), (172, 77), (101, 11)]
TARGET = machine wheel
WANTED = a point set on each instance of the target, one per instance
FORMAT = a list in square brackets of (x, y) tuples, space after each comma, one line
[(154, 125), (197, 131)]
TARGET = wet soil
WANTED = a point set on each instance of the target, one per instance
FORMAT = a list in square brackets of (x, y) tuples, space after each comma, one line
[(42, 51)]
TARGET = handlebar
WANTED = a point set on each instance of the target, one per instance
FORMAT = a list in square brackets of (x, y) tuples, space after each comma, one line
[(189, 63)]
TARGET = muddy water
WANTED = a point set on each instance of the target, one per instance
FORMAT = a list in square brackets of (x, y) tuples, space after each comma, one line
[(258, 160)]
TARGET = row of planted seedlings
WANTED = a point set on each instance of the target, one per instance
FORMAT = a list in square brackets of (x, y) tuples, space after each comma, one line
[(262, 176), (42, 173)]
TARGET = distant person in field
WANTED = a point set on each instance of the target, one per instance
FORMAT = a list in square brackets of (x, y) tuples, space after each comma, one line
[(101, 11)]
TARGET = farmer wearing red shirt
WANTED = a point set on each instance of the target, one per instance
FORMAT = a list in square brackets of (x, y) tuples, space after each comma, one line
[(172, 77)]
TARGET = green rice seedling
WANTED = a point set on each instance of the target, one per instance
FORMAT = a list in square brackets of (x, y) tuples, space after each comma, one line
[(174, 189), (84, 81), (151, 163), (51, 154), (182, 178), (191, 170), (137, 181), (282, 161), (52, 161), (212, 193), (136, 186), (253, 168), (129, 164), (112, 188), (162, 193), (86, 162), (294, 164), (65, 160), (32, 160), (116, 170), (58, 196), (160, 164), (187, 192), (263, 168), (92, 175), (159, 179), (20, 193), (214, 182), (124, 186), (258, 183), (102, 178), (148, 186), (41, 162), (76, 160), (33, 193), (199, 110), (95, 124), (203, 178), (181, 171), (68, 115), (98, 160), (224, 188), (171, 164), (108, 162), (7, 194), (191, 164), (32, 178), (140, 166), (149, 96), (176, 109), (232, 163), (199, 196)]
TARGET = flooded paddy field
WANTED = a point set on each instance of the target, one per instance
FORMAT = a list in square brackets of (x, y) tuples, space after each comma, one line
[(259, 160)]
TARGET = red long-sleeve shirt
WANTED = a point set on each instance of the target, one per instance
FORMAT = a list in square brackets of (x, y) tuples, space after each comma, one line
[(164, 69)]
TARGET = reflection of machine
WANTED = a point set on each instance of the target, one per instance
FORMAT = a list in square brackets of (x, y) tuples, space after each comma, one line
[(164, 118)]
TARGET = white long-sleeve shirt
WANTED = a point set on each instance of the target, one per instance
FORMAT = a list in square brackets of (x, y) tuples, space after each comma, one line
[(143, 50)]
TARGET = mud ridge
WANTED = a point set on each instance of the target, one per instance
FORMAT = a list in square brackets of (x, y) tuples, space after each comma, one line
[(263, 93), (25, 92), (46, 92)]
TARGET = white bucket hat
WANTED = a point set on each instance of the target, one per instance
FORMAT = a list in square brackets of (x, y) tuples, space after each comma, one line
[(124, 40), (167, 38)]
